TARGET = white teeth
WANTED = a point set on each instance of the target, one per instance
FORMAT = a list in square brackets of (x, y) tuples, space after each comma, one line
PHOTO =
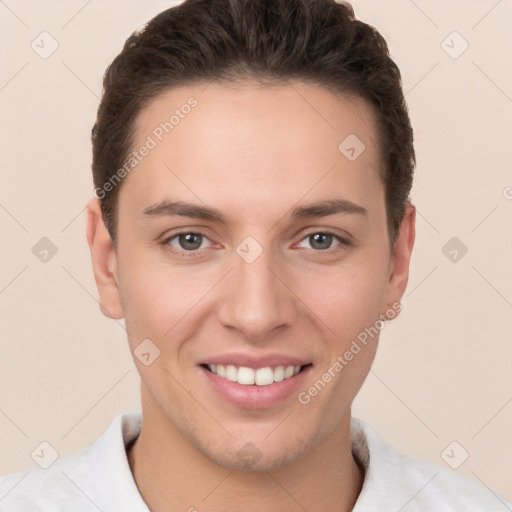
[(248, 376), (245, 375), (231, 373), (279, 374), (288, 371), (264, 376)]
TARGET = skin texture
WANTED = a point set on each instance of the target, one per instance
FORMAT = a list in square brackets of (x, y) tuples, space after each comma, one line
[(254, 153)]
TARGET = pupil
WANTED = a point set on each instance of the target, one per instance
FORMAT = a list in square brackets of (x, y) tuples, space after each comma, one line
[(321, 240)]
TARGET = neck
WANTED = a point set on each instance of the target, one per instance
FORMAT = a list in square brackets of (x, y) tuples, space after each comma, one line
[(169, 471)]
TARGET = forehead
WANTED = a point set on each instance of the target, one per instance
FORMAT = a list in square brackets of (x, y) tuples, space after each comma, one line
[(249, 144)]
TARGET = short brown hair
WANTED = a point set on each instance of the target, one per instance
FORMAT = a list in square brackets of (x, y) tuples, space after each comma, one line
[(315, 41)]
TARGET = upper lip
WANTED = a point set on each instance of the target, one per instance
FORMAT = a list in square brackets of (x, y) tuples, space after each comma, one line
[(255, 362)]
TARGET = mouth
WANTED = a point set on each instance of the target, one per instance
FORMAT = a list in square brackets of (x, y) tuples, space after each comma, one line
[(246, 376), (249, 381)]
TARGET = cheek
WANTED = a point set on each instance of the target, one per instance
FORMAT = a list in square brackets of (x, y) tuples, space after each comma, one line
[(347, 300), (158, 300)]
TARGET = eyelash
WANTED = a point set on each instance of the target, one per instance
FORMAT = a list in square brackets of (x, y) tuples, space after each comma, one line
[(343, 243)]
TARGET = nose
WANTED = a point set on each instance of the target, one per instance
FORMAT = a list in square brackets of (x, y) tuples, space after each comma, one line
[(256, 299)]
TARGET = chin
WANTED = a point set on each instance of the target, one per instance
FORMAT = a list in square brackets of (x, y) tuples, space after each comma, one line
[(257, 463), (256, 457)]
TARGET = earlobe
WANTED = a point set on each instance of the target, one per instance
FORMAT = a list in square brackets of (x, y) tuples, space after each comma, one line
[(104, 261), (401, 257)]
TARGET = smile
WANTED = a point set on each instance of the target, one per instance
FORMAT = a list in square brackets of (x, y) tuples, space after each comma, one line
[(251, 381), (249, 376)]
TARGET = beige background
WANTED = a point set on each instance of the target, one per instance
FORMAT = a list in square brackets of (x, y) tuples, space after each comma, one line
[(443, 370)]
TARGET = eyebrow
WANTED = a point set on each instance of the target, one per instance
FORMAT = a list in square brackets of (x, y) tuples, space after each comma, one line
[(322, 208)]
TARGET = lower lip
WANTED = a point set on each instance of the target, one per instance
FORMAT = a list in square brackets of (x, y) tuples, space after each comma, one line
[(255, 397)]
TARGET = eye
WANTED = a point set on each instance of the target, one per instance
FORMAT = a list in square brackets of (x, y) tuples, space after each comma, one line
[(187, 241), (323, 240)]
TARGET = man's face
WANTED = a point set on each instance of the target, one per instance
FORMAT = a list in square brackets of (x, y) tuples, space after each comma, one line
[(259, 285)]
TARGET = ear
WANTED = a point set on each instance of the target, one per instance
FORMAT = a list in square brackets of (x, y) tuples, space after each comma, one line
[(400, 258), (104, 261)]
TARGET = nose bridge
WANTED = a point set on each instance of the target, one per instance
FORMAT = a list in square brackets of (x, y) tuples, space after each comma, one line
[(257, 301)]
